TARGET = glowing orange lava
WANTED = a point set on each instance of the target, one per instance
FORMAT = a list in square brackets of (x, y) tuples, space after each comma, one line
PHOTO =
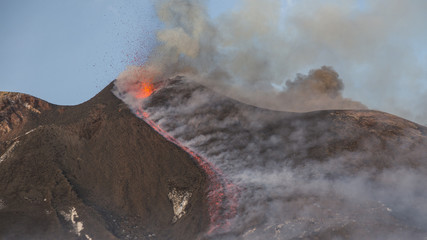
[(145, 89)]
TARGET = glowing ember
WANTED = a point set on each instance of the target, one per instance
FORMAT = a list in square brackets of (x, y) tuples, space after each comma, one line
[(145, 89)]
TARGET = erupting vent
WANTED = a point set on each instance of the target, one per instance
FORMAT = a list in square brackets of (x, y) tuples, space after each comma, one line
[(145, 90)]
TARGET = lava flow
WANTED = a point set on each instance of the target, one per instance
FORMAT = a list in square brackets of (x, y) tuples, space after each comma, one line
[(222, 194)]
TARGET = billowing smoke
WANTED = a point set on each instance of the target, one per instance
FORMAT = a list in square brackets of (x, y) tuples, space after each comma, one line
[(320, 89), (251, 53), (235, 56)]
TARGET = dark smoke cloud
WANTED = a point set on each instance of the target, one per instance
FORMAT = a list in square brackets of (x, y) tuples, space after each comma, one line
[(318, 82), (320, 89)]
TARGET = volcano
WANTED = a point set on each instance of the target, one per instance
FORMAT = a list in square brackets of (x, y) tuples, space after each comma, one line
[(185, 162), (92, 171)]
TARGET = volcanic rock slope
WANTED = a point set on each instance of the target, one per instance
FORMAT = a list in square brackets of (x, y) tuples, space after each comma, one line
[(92, 171), (318, 175), (96, 171)]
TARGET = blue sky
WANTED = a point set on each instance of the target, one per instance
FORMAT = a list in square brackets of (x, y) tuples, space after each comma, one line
[(67, 51)]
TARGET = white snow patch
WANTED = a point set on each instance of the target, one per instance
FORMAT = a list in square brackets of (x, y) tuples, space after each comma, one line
[(29, 107), (87, 237), (71, 217), (8, 151), (32, 130), (179, 199), (278, 230), (249, 232), (25, 134)]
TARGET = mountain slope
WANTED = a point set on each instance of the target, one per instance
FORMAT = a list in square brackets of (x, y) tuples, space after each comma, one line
[(316, 175), (97, 160)]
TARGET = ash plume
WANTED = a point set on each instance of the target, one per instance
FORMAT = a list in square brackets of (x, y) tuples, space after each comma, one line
[(233, 54), (251, 52)]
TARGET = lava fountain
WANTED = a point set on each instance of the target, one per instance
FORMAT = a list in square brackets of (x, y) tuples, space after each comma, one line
[(222, 193)]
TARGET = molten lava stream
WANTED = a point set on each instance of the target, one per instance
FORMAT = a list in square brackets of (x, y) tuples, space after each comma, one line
[(222, 194)]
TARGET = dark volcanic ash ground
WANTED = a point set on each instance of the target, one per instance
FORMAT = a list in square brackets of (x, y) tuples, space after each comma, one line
[(93, 171), (318, 175)]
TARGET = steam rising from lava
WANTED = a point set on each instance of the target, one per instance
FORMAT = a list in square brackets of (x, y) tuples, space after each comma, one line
[(300, 174)]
